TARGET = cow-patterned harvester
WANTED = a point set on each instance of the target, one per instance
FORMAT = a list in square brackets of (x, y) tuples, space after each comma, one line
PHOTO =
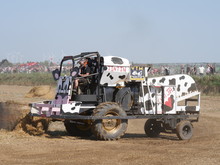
[(113, 92)]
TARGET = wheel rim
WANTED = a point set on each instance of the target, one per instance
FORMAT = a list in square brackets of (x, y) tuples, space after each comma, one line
[(111, 125), (152, 129), (186, 130)]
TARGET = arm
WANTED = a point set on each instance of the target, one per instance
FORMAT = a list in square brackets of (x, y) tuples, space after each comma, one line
[(84, 75), (87, 72)]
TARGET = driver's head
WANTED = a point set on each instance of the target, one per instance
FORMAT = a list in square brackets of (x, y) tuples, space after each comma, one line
[(83, 61)]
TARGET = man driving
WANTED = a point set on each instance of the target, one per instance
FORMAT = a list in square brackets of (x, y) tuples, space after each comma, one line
[(83, 72)]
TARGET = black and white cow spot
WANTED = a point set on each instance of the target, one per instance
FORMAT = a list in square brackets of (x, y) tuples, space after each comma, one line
[(152, 95), (184, 93), (185, 84), (182, 77), (172, 81), (122, 77), (106, 84), (117, 60), (178, 88), (110, 76), (162, 80), (77, 104), (154, 81), (192, 87)]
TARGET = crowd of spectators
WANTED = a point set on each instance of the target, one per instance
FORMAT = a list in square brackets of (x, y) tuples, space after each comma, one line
[(184, 69), (199, 70), (31, 67)]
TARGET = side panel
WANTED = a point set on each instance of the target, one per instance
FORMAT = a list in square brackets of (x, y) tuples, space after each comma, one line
[(115, 75), (165, 92)]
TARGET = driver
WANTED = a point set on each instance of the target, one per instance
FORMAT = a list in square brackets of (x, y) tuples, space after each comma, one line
[(83, 72)]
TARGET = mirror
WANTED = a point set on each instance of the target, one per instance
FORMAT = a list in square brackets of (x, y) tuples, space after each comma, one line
[(75, 72), (56, 74)]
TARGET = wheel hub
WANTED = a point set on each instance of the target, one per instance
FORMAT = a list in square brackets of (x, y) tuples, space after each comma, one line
[(186, 130), (111, 124)]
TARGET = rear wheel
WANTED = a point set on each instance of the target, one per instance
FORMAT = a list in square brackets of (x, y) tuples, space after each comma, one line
[(78, 128), (184, 130), (109, 129), (152, 128)]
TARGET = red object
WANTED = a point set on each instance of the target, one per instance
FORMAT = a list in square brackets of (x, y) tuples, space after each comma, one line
[(169, 103)]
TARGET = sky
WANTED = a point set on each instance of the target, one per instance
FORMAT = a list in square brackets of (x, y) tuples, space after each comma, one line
[(143, 31)]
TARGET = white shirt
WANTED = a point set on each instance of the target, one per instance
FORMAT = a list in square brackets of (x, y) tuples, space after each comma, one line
[(201, 70)]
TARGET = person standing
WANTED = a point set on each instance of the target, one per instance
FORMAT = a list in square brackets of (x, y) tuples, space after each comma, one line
[(201, 70)]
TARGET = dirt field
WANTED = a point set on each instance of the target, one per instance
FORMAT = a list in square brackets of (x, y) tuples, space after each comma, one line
[(56, 147)]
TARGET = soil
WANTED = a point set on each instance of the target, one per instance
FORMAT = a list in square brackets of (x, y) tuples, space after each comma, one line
[(56, 147)]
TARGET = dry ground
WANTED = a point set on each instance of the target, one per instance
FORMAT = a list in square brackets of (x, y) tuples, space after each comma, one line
[(56, 147)]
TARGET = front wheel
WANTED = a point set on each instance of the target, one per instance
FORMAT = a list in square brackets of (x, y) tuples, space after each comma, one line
[(184, 130), (109, 129)]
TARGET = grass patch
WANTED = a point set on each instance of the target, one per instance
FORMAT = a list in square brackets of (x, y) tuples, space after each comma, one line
[(208, 80), (208, 84), (32, 79)]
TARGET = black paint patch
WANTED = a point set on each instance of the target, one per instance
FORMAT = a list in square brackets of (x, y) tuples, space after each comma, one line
[(106, 84), (153, 81), (172, 81), (182, 77), (121, 77), (111, 77), (185, 84), (162, 80), (108, 74), (77, 104), (117, 60), (153, 94), (192, 88), (178, 88), (184, 93)]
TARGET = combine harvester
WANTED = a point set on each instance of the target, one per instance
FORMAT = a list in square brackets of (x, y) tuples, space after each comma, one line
[(115, 92)]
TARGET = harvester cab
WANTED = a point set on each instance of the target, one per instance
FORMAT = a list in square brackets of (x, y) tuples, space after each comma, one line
[(114, 91)]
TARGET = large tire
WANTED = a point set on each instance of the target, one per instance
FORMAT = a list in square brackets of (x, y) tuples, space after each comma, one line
[(78, 128), (184, 130), (109, 129), (152, 128)]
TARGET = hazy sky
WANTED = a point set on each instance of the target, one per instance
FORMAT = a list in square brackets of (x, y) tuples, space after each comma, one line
[(144, 31)]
